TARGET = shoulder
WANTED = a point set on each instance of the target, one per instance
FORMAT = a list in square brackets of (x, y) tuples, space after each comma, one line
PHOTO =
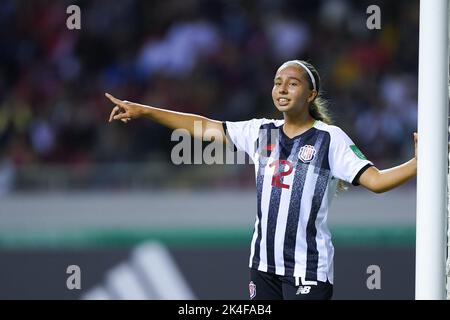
[(259, 120), (250, 128), (331, 129), (270, 123), (334, 131), (337, 135), (262, 121), (257, 123)]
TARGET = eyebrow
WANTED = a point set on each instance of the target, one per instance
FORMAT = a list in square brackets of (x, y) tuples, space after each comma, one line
[(288, 78)]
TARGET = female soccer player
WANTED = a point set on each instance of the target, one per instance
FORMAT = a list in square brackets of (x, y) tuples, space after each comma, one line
[(299, 162)]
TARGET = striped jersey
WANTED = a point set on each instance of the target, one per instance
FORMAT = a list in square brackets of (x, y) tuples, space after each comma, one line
[(296, 179)]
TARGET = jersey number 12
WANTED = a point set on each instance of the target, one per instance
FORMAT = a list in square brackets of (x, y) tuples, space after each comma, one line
[(276, 178)]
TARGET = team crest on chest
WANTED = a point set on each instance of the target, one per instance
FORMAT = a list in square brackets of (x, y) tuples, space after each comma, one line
[(307, 153)]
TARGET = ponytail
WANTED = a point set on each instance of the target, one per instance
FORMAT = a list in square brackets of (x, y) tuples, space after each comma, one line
[(319, 111)]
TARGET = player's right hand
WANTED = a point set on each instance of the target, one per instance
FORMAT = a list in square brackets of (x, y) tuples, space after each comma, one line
[(124, 110)]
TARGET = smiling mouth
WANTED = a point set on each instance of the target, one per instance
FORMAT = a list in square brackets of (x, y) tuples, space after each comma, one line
[(283, 101)]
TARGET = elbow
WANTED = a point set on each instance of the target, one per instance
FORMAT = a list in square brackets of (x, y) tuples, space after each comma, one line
[(376, 187), (378, 190), (377, 184), (375, 181)]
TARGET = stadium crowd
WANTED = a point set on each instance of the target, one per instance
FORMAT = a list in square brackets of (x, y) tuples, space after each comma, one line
[(216, 58)]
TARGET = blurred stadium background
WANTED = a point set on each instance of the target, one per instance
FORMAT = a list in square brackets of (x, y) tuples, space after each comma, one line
[(75, 190)]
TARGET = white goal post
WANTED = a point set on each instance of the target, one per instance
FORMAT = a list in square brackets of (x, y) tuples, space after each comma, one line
[(447, 269), (432, 211)]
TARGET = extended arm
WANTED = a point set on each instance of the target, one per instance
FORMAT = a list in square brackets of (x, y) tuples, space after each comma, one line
[(125, 111), (384, 180)]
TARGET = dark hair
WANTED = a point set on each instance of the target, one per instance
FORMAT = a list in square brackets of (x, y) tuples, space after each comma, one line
[(318, 108)]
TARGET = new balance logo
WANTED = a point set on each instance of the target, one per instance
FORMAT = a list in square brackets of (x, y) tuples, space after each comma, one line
[(303, 290)]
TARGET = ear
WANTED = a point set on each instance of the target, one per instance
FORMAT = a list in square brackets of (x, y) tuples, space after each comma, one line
[(312, 96)]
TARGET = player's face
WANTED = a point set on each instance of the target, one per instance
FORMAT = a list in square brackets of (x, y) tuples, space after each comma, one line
[(291, 90)]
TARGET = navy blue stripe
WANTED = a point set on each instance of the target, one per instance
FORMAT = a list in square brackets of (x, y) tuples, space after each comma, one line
[(263, 139), (322, 167), (259, 187), (290, 237), (274, 207)]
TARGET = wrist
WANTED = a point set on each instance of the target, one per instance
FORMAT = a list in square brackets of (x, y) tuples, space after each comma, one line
[(143, 110), (413, 162)]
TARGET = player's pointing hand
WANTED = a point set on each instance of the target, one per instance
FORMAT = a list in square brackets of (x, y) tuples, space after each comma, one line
[(124, 110)]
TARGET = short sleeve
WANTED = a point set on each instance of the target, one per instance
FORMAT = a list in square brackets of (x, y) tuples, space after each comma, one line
[(347, 162), (244, 134)]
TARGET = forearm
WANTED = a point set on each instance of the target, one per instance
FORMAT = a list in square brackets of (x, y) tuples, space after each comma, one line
[(196, 125), (384, 180)]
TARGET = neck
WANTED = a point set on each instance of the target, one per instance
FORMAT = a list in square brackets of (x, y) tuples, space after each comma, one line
[(298, 120), (298, 123)]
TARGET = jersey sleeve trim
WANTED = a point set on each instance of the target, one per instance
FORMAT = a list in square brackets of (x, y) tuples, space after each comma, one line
[(355, 180), (227, 136)]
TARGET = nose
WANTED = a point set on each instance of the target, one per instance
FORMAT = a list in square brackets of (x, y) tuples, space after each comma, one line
[(282, 89)]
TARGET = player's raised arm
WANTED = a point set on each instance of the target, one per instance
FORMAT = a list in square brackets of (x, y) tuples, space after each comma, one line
[(384, 180), (126, 111)]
